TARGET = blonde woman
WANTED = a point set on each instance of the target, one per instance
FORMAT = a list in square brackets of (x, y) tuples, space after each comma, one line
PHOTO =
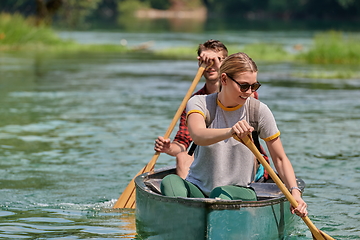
[(223, 167)]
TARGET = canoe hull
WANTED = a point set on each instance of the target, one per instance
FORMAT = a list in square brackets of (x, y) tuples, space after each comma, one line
[(162, 217)]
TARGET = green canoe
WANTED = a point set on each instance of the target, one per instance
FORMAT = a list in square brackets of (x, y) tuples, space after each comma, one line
[(171, 218)]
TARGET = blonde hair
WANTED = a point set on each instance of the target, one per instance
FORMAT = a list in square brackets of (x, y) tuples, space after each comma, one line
[(238, 63)]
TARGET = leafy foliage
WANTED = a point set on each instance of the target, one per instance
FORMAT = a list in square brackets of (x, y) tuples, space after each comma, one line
[(20, 34), (15, 29), (25, 7), (75, 11), (333, 48)]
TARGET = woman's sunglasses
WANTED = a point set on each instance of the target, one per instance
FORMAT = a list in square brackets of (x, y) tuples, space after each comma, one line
[(245, 86)]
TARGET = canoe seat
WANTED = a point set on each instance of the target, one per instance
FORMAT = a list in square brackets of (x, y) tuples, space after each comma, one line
[(263, 190), (153, 184), (266, 190)]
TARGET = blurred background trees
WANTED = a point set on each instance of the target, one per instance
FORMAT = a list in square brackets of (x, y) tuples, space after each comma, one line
[(78, 12)]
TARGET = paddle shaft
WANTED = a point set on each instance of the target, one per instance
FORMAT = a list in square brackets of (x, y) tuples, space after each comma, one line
[(317, 234), (127, 198)]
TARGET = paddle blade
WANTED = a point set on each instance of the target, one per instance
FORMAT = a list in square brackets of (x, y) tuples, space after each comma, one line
[(322, 236), (327, 237), (127, 198), (317, 234)]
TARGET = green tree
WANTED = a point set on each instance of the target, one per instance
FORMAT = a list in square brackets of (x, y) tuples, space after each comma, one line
[(77, 12), (71, 12), (294, 9), (74, 12), (25, 7)]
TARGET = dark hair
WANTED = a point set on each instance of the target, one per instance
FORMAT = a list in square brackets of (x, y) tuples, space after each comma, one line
[(211, 44)]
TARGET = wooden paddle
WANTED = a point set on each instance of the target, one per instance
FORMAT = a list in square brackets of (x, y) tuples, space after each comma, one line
[(317, 234), (127, 198)]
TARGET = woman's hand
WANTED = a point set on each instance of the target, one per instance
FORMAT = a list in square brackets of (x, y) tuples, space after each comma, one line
[(162, 144), (301, 209), (241, 129)]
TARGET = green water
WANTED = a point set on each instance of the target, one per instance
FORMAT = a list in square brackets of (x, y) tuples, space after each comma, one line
[(75, 129)]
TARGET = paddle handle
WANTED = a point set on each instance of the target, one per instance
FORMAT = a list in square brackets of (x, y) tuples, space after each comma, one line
[(249, 143), (127, 198), (185, 100), (317, 234)]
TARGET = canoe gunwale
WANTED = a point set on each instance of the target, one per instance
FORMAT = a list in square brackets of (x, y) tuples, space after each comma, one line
[(208, 203)]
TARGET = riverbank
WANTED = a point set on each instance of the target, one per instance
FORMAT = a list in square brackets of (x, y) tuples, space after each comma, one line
[(20, 35)]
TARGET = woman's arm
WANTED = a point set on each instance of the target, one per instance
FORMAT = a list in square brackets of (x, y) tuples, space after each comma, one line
[(203, 136), (286, 172)]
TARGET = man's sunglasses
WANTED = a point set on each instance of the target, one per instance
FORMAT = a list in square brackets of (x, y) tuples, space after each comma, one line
[(245, 86)]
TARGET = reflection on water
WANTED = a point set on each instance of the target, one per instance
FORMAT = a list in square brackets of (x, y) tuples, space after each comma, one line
[(79, 222), (75, 129)]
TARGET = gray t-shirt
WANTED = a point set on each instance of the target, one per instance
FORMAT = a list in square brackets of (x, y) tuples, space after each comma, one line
[(227, 162)]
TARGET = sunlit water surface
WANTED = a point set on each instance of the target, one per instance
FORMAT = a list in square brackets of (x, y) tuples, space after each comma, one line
[(75, 129)]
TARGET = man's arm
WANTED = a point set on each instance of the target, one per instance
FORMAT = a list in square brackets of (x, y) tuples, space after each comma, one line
[(165, 146)]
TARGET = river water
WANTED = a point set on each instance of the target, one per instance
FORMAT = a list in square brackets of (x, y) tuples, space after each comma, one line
[(75, 129)]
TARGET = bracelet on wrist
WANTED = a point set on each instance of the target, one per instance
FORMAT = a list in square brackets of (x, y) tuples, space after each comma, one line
[(292, 188)]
